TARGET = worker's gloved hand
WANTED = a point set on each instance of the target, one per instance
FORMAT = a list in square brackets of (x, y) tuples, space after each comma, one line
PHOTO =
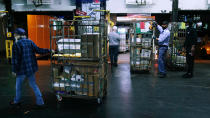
[(14, 74), (53, 51), (154, 37), (193, 51), (154, 24)]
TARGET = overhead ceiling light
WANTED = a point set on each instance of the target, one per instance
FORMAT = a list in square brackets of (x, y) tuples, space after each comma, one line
[(19, 4)]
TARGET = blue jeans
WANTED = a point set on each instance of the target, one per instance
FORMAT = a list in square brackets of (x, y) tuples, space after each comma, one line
[(161, 60), (33, 85), (113, 53)]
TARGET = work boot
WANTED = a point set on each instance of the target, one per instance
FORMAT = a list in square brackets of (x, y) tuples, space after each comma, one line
[(15, 105), (185, 75), (188, 75), (115, 64)]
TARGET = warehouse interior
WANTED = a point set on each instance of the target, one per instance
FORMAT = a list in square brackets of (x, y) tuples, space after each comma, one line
[(78, 79)]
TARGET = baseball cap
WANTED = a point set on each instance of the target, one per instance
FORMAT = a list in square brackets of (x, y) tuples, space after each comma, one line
[(20, 31), (165, 22)]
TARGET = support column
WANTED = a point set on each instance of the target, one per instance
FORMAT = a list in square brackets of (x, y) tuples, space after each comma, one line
[(175, 9)]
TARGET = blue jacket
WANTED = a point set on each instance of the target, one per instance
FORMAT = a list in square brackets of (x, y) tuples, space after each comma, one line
[(23, 57)]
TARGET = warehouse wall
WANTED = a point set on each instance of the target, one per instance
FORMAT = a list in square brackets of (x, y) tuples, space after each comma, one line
[(157, 6), (38, 30), (119, 6), (193, 4), (57, 5)]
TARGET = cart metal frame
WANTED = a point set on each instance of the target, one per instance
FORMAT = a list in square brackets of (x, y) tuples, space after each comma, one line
[(139, 47), (176, 58), (79, 67)]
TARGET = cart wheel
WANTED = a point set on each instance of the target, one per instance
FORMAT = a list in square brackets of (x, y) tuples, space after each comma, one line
[(59, 98), (99, 100)]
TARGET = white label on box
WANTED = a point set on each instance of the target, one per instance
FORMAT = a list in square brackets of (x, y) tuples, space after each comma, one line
[(68, 40), (75, 46), (66, 70), (75, 40), (143, 30), (138, 40), (67, 46), (56, 84), (132, 40), (149, 40)]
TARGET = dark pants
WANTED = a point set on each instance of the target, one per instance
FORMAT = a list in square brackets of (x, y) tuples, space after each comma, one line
[(113, 53), (190, 62), (161, 60)]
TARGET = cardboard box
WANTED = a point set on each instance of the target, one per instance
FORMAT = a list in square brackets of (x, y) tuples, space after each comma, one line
[(83, 78), (138, 51), (140, 64), (90, 45), (138, 40), (55, 72), (146, 42), (145, 53)]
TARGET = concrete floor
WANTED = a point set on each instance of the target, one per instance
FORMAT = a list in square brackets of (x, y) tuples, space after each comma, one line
[(129, 96)]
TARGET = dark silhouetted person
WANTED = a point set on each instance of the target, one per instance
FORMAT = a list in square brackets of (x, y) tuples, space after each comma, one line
[(189, 46)]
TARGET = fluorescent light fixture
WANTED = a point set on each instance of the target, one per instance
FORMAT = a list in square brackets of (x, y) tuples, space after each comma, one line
[(19, 4)]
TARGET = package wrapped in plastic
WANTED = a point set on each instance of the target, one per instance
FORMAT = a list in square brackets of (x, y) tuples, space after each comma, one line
[(145, 53), (146, 42), (69, 46)]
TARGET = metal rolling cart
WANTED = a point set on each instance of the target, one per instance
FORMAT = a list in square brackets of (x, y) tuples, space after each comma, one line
[(141, 47), (79, 66), (176, 57)]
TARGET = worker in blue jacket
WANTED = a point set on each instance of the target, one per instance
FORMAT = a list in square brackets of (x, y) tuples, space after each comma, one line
[(24, 65)]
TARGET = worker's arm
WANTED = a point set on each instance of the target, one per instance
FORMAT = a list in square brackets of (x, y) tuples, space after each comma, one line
[(163, 36), (159, 28), (15, 55), (39, 50)]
